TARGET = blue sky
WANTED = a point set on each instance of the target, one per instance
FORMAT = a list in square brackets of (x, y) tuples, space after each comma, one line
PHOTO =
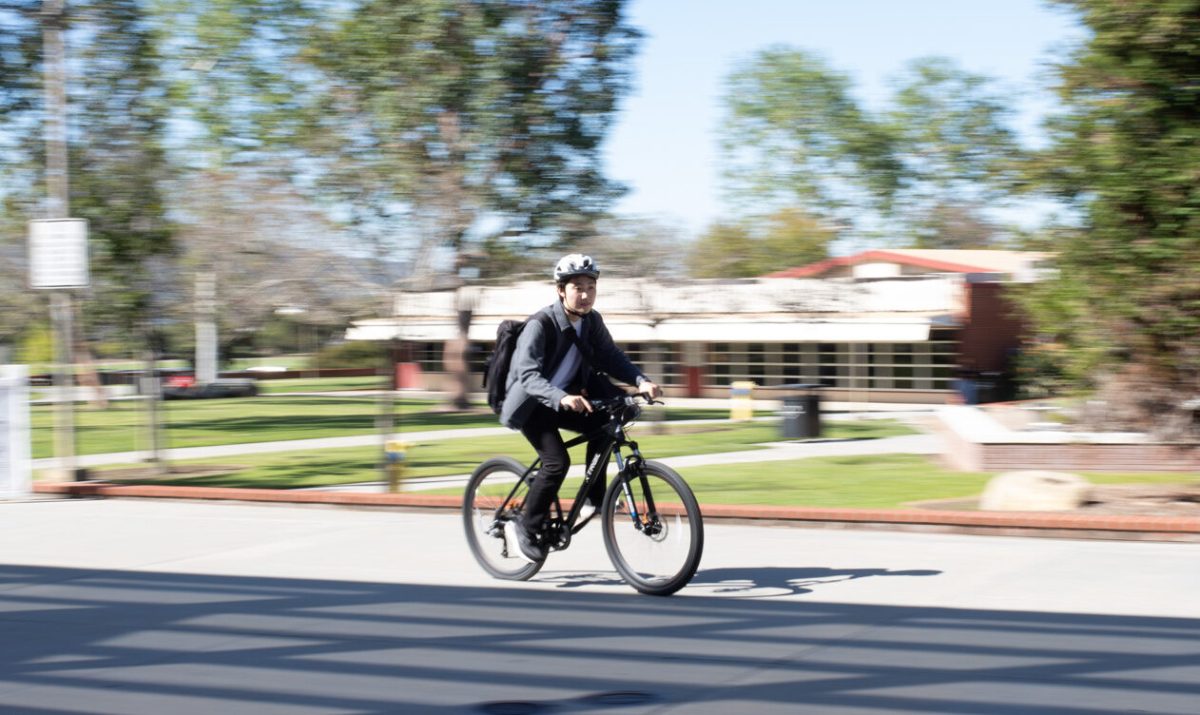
[(664, 142)]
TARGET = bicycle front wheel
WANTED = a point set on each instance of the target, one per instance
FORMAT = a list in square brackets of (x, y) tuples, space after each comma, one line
[(652, 529), (491, 484)]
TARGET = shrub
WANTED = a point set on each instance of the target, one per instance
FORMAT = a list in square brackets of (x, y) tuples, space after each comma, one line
[(356, 353)]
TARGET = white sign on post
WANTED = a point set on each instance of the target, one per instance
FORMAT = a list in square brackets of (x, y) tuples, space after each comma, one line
[(15, 481), (58, 253)]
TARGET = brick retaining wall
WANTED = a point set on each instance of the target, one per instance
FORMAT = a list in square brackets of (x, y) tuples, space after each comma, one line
[(1091, 457), (977, 443)]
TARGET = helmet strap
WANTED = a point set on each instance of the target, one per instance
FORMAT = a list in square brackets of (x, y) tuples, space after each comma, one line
[(568, 311)]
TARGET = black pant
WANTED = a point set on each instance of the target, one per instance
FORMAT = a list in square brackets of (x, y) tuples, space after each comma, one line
[(541, 429)]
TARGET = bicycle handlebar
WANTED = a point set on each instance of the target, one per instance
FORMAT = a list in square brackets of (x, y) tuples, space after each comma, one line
[(609, 403)]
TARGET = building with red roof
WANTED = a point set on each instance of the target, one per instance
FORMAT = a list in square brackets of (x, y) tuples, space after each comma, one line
[(897, 325)]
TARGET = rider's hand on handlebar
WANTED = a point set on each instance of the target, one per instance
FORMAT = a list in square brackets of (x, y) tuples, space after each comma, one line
[(577, 403), (649, 389)]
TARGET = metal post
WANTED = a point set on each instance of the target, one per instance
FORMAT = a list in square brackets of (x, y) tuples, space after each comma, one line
[(385, 421), (206, 327), (152, 390), (655, 417), (64, 380)]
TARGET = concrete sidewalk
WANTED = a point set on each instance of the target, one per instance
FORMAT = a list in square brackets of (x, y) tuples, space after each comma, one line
[(771, 452)]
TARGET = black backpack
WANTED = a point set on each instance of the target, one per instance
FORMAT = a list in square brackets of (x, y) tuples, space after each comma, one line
[(495, 370)]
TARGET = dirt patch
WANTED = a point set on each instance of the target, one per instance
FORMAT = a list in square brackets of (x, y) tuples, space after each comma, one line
[(1144, 499), (668, 428)]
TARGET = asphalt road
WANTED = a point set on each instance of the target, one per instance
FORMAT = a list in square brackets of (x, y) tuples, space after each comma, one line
[(130, 607)]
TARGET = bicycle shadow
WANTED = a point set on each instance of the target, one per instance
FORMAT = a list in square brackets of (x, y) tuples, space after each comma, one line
[(743, 582), (769, 581)]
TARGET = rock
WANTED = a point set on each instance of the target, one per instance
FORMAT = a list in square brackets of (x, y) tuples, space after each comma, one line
[(1034, 490)]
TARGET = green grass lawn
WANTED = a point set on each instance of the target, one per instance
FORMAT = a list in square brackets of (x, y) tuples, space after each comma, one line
[(859, 481), (460, 456), (276, 416), (283, 386), (457, 456), (192, 423), (319, 384), (886, 481)]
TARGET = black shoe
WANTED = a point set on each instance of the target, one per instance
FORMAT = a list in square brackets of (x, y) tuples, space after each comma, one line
[(527, 548)]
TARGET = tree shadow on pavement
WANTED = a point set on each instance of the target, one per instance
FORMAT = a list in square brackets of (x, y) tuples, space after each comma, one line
[(129, 642)]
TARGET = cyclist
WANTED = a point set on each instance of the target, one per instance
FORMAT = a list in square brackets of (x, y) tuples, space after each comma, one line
[(545, 392)]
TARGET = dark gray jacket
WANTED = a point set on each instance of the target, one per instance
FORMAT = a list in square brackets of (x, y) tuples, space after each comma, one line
[(531, 369)]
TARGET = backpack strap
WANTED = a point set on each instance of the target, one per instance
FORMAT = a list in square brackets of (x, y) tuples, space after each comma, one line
[(550, 329)]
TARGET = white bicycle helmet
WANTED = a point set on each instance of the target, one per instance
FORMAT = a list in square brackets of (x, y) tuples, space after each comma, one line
[(575, 264)]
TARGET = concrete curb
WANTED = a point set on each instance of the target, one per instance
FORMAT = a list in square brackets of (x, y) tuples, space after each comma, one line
[(1071, 525)]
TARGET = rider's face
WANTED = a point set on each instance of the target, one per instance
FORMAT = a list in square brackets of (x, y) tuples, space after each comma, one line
[(578, 295)]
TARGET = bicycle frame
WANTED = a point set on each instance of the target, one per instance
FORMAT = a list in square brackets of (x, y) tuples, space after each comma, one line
[(615, 441), (657, 557)]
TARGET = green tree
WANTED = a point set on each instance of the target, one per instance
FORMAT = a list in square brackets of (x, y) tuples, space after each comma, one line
[(956, 224), (794, 135), (1124, 154), (19, 307), (722, 251), (117, 164), (792, 237), (955, 145), (21, 143), (786, 238), (20, 86), (482, 120), (479, 121), (20, 167), (238, 79), (633, 247)]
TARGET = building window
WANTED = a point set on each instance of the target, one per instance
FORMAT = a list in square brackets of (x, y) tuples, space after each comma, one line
[(429, 356), (828, 366), (477, 355), (754, 363)]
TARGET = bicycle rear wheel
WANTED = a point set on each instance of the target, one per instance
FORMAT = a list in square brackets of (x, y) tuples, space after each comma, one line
[(489, 486), (653, 530)]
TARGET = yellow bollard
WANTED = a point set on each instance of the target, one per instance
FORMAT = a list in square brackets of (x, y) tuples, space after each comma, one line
[(742, 401), (396, 452)]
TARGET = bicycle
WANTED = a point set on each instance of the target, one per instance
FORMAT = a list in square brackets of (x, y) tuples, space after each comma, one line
[(653, 531)]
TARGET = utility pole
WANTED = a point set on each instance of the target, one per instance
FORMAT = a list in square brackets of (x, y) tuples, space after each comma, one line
[(58, 207), (55, 83)]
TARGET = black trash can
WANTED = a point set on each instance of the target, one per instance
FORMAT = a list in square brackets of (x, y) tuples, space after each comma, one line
[(801, 414), (988, 387)]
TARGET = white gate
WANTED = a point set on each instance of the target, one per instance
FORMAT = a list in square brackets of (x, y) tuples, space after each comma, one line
[(15, 481)]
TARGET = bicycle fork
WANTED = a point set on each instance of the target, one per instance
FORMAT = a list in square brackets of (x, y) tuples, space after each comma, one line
[(648, 522)]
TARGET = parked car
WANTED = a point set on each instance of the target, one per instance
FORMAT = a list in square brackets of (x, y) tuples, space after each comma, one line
[(185, 387)]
